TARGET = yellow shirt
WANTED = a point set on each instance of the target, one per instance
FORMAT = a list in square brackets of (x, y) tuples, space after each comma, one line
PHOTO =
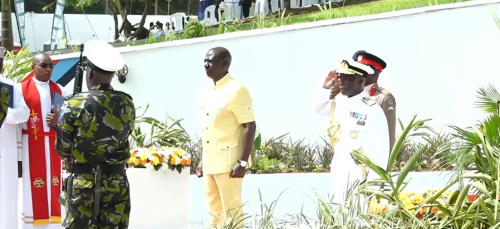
[(225, 107)]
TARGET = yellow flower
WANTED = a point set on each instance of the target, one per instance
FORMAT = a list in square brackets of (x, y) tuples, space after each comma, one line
[(179, 152), (137, 161), (131, 160), (144, 156), (156, 161), (172, 160), (417, 199)]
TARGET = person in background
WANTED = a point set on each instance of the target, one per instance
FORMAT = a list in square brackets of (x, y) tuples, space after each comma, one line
[(246, 5), (202, 6), (10, 143), (92, 134), (237, 8), (384, 98), (356, 124), (159, 32), (228, 136), (41, 166)]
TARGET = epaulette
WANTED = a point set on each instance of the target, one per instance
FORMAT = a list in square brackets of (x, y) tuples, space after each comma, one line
[(368, 101), (383, 91)]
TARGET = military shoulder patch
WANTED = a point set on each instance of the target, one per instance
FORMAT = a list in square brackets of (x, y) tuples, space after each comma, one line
[(368, 101)]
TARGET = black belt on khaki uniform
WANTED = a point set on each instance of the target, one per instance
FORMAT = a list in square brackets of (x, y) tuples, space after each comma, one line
[(90, 168)]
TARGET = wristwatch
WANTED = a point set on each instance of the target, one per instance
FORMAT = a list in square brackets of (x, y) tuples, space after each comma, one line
[(243, 163)]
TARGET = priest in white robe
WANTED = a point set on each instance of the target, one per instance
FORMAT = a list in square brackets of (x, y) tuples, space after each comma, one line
[(42, 166), (10, 144)]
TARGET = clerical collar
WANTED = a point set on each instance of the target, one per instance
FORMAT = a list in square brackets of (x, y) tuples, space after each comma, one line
[(104, 86), (40, 82)]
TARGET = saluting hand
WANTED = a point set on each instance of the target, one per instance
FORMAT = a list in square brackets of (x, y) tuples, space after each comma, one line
[(238, 171), (331, 81), (52, 118)]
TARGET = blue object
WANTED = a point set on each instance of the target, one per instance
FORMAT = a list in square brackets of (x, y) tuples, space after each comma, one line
[(11, 91), (201, 9), (57, 102)]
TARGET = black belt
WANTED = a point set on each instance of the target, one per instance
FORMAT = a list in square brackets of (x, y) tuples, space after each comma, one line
[(90, 168)]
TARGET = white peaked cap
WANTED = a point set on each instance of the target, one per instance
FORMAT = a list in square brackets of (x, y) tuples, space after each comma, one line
[(103, 55), (347, 69)]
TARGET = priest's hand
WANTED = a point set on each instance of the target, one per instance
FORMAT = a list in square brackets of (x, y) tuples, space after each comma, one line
[(51, 118), (19, 169), (238, 171)]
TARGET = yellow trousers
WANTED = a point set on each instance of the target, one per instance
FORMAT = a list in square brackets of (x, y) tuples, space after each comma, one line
[(223, 196)]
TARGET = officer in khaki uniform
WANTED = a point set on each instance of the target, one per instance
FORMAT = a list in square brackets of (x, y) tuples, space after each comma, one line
[(228, 135), (383, 97)]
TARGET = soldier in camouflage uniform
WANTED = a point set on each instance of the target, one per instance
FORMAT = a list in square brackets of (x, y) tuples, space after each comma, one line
[(4, 103), (93, 131)]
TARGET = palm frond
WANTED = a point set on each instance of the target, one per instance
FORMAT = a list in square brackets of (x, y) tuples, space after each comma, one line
[(488, 99)]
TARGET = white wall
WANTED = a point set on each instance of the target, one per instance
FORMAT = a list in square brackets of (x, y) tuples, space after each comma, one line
[(79, 27), (436, 59)]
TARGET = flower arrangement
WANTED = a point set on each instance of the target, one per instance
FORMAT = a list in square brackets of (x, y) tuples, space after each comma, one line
[(411, 202), (173, 158), (146, 158), (177, 159)]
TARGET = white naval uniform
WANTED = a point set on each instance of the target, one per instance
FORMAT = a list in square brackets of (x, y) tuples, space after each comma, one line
[(372, 137), (10, 140), (27, 205)]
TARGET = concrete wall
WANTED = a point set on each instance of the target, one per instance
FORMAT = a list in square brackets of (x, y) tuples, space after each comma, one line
[(437, 58)]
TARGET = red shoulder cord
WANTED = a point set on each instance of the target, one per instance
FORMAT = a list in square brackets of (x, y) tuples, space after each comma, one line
[(372, 91)]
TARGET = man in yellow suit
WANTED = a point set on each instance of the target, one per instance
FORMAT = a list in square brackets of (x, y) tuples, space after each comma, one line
[(228, 136)]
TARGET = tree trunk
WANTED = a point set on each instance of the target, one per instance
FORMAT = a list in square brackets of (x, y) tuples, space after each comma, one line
[(143, 18), (7, 33), (115, 19), (156, 7)]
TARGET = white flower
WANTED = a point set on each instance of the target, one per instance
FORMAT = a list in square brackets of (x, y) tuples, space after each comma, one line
[(177, 161)]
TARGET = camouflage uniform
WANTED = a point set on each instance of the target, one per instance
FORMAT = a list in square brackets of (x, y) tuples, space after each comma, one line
[(4, 103), (93, 129)]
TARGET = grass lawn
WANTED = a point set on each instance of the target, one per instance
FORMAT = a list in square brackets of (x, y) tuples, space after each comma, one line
[(351, 8)]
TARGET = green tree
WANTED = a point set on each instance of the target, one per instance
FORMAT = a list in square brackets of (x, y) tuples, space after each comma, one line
[(7, 36), (120, 8)]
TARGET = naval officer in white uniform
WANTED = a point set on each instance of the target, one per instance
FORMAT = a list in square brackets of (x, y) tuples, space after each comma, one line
[(356, 123)]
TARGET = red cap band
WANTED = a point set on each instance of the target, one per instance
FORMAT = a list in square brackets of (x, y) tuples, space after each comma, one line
[(369, 62)]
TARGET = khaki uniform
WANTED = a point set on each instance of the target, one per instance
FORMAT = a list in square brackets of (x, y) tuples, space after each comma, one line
[(388, 103)]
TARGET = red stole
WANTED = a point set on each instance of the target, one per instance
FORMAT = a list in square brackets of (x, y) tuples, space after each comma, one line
[(37, 163)]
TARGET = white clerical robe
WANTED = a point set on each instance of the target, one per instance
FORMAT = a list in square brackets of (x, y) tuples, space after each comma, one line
[(363, 126), (9, 145), (27, 206)]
